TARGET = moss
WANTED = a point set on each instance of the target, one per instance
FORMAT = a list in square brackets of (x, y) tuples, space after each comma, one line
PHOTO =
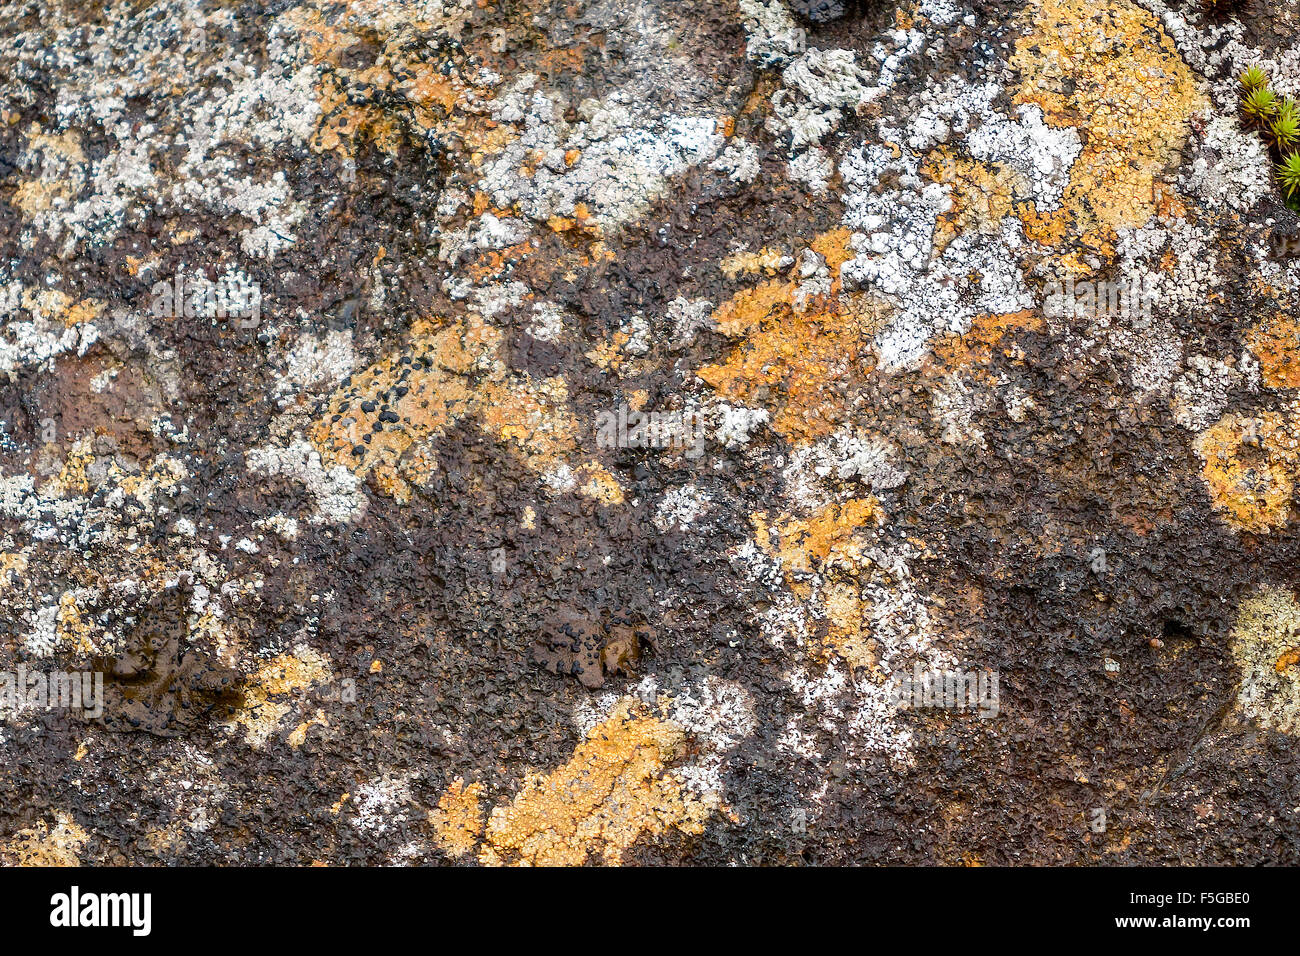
[(1253, 78), (1260, 105), (1288, 174)]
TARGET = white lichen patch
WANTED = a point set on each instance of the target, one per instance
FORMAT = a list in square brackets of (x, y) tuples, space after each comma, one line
[(625, 158), (1202, 392), (815, 475), (680, 508), (336, 491), (237, 101), (321, 361)]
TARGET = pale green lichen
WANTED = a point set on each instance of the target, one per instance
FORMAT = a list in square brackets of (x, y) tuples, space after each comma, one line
[(1266, 644)]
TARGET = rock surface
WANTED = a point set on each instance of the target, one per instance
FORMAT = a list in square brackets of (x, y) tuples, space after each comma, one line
[(521, 432)]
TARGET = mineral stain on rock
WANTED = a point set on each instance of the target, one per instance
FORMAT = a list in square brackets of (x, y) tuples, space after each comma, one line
[(158, 682)]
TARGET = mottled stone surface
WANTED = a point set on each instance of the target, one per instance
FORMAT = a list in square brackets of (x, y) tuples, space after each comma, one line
[(965, 347)]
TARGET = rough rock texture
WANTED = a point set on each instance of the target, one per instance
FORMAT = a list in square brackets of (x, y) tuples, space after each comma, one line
[(377, 567)]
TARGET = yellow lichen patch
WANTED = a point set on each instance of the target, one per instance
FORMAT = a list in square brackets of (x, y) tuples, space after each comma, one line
[(1108, 68), (383, 421), (829, 544), (72, 627), (71, 479), (1276, 343), (982, 195), (161, 473), (808, 544), (617, 788), (299, 735), (764, 262), (269, 692), (55, 306), (847, 634), (1266, 645), (82, 311), (60, 172), (595, 482), (1250, 468), (457, 821), (43, 845), (13, 565), (608, 356), (40, 195)]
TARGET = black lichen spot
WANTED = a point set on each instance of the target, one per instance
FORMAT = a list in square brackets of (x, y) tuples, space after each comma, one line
[(820, 11)]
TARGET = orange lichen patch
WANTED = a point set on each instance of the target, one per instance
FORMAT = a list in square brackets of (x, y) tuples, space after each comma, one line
[(532, 415), (457, 821), (751, 308), (83, 311), (800, 352), (56, 147), (1250, 468), (494, 263), (56, 306), (44, 845), (616, 788), (810, 358), (569, 59), (1276, 343), (269, 692), (427, 86), (430, 97), (397, 403), (343, 122), (40, 195), (833, 246), (1289, 660), (989, 336), (383, 421), (1108, 68)]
